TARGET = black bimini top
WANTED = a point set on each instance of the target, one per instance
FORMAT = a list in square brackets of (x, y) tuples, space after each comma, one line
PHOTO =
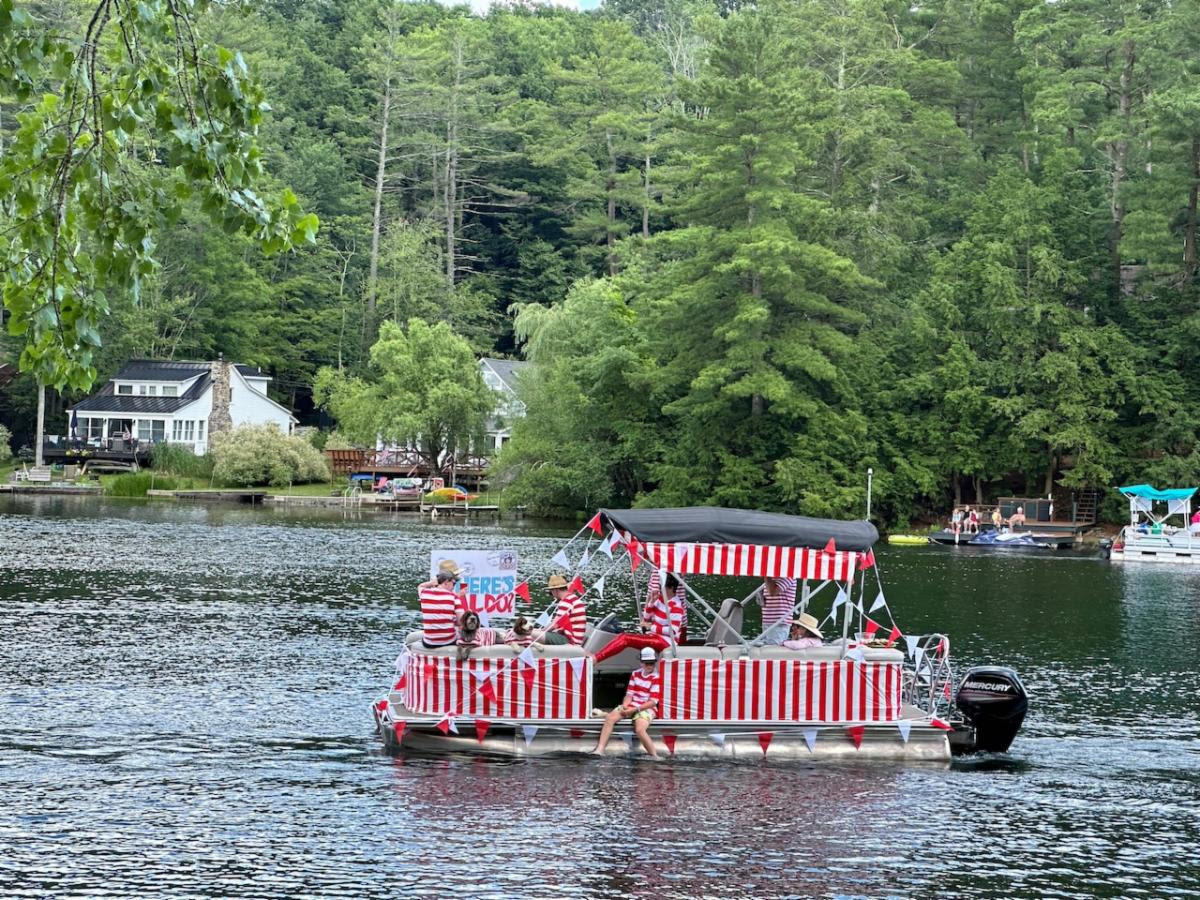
[(714, 525)]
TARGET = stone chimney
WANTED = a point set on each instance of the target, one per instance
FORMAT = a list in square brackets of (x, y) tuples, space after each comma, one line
[(222, 396)]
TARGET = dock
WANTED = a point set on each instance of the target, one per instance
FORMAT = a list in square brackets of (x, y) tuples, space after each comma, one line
[(213, 496)]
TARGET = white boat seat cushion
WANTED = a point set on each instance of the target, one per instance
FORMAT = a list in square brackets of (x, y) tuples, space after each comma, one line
[(691, 653)]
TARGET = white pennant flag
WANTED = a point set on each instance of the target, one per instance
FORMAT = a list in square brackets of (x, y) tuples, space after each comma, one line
[(484, 619), (543, 620), (483, 674), (585, 559), (560, 560), (905, 727), (662, 580), (911, 640), (576, 666), (681, 554), (717, 738), (599, 586), (879, 602), (402, 660), (606, 546), (840, 598), (810, 738), (526, 657), (918, 658), (529, 731), (856, 654), (449, 720)]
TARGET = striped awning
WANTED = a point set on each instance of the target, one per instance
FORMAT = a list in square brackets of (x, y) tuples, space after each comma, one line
[(753, 560)]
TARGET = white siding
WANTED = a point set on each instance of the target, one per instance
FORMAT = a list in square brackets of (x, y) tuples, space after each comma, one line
[(251, 407)]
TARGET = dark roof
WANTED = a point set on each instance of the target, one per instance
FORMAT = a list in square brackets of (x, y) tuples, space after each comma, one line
[(172, 370), (108, 400), (710, 524), (507, 369)]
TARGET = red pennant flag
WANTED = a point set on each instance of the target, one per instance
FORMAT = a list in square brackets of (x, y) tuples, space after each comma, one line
[(398, 727), (576, 732), (938, 723), (522, 591), (430, 670), (563, 622), (481, 729), (381, 705), (856, 734), (529, 673), (669, 740), (487, 692), (444, 725), (872, 627), (946, 689), (893, 635), (943, 646), (830, 548), (764, 740), (634, 560), (576, 585), (594, 523), (868, 559), (400, 682)]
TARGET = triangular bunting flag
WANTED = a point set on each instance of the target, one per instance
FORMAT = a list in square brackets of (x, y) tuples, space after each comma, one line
[(594, 524), (599, 587), (764, 740), (398, 727), (481, 674), (430, 669), (484, 619), (938, 723), (669, 740), (856, 654), (563, 622), (481, 729), (872, 627), (868, 559), (576, 585), (402, 660), (529, 731), (634, 560), (840, 598), (856, 734), (529, 675), (946, 689), (879, 602), (830, 548), (522, 591), (576, 733), (943, 646), (911, 640), (543, 620), (606, 546), (526, 657), (446, 725), (717, 738), (584, 560), (400, 682), (487, 692), (905, 727), (810, 738), (576, 667), (918, 658), (633, 545), (560, 559), (894, 635)]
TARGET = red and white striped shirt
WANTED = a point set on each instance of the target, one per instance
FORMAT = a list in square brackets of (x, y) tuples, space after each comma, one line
[(438, 609), (778, 600), (483, 637), (680, 598), (643, 688), (570, 617), (521, 640), (663, 617)]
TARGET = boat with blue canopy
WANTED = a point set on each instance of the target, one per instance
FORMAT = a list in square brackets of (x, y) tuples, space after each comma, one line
[(1163, 526)]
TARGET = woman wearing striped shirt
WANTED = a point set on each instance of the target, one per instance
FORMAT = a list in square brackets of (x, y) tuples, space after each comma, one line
[(778, 601), (641, 701), (662, 622)]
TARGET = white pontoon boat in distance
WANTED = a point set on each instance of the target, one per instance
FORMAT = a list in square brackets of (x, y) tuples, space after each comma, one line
[(861, 696), (1152, 536)]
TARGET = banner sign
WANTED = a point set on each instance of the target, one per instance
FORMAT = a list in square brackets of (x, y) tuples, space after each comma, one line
[(490, 577)]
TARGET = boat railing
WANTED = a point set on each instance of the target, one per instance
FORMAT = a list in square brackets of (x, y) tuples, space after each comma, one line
[(1178, 538), (928, 684)]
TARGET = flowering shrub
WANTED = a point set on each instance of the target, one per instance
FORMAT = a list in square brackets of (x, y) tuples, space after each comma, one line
[(262, 454), (5, 447)]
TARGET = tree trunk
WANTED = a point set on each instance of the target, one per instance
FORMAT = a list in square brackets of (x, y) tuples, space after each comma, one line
[(978, 489), (377, 215), (1050, 470), (610, 189), (38, 458), (646, 200), (1189, 227), (957, 489)]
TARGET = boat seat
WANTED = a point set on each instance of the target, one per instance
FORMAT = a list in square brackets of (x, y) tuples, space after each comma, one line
[(735, 651), (883, 655), (624, 662), (727, 626), (814, 653), (414, 637), (559, 651), (691, 653)]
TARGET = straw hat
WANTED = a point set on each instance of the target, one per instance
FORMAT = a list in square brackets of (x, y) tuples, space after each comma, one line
[(557, 581), (448, 567), (648, 654), (808, 622)]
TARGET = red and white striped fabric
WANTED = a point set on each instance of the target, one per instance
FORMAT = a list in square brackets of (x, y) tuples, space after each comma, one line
[(444, 685), (753, 560), (643, 688), (664, 617), (438, 609), (570, 618), (780, 690)]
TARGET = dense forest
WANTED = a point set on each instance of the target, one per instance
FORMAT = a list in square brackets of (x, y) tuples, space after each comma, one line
[(751, 249)]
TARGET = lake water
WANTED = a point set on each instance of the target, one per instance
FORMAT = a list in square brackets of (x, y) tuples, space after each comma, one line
[(184, 701)]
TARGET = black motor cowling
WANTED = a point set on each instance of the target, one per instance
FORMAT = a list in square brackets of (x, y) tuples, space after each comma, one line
[(993, 701)]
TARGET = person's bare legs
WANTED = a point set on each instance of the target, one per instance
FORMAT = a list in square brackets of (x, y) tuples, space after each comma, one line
[(641, 727), (606, 731)]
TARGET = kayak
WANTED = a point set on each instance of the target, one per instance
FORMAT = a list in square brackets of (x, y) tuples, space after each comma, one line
[(907, 539)]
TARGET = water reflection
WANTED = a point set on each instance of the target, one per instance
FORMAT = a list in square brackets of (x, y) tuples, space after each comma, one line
[(183, 711)]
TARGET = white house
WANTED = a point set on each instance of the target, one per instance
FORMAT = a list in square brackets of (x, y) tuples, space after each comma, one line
[(177, 402), (501, 376)]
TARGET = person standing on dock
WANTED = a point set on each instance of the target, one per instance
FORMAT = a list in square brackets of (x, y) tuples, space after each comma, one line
[(440, 606), (568, 622)]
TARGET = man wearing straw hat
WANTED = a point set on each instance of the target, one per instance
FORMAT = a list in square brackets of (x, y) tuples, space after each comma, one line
[(440, 606), (568, 622)]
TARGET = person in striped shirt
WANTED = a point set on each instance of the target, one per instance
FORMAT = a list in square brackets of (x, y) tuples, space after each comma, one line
[(568, 622), (642, 697), (662, 622), (440, 606), (778, 599)]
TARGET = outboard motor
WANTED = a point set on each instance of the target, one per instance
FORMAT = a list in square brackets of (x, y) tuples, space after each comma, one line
[(993, 701)]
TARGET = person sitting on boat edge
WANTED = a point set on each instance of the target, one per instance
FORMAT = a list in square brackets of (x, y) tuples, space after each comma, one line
[(641, 700), (440, 606), (472, 634), (804, 633), (1017, 518), (997, 519), (662, 622), (568, 622), (972, 520), (520, 635)]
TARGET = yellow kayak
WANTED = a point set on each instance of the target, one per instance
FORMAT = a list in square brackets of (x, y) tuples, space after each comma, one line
[(907, 539)]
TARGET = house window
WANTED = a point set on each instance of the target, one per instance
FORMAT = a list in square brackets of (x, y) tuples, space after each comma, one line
[(200, 430), (143, 429), (158, 430), (170, 390), (124, 388), (189, 430), (177, 430)]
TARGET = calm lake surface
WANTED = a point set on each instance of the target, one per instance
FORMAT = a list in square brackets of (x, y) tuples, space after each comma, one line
[(184, 701)]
